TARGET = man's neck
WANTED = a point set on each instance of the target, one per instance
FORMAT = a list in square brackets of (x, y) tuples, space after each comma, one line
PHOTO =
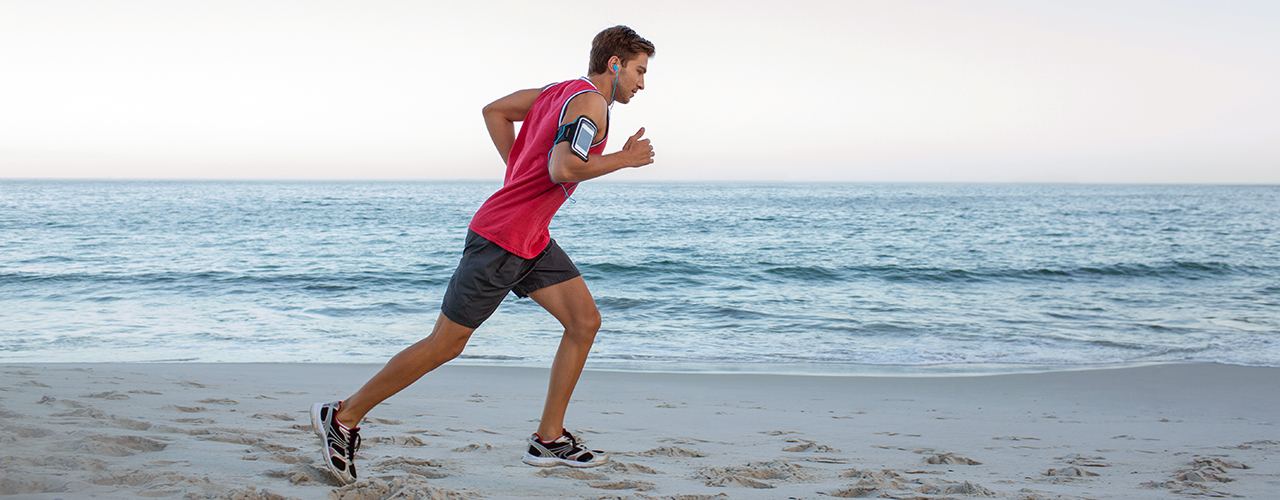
[(603, 83)]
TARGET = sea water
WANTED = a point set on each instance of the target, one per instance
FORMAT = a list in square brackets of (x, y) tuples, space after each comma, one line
[(809, 278)]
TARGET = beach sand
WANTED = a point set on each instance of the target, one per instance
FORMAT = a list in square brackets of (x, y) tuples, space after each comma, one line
[(242, 431)]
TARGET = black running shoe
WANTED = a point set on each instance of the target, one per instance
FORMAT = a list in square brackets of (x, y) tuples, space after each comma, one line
[(340, 443), (565, 450)]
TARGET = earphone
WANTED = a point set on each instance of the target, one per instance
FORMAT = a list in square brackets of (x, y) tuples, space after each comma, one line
[(612, 93)]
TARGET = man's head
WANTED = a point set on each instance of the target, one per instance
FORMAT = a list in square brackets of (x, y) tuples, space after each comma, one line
[(619, 50)]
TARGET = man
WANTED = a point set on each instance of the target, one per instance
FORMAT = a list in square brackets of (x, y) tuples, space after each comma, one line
[(508, 247)]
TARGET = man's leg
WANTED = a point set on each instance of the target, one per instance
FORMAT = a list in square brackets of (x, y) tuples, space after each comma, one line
[(571, 303), (446, 342)]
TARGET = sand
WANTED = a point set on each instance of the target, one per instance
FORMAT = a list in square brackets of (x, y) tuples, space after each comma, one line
[(242, 431)]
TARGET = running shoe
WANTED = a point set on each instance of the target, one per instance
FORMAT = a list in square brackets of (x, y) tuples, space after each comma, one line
[(340, 442), (565, 450)]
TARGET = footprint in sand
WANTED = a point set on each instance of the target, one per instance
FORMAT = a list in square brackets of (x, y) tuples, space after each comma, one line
[(941, 487), (1069, 472), (1203, 476), (1084, 461), (752, 475), (630, 468), (93, 413), (387, 421), (113, 395), (431, 469), (807, 445), (672, 451), (622, 485), (572, 474), (869, 480), (288, 458), (397, 440), (302, 474), (1218, 463), (273, 416), (474, 447), (949, 459), (13, 431), (113, 446), (144, 391), (243, 437), (129, 423), (398, 487), (222, 401), (853, 492), (188, 409), (196, 385), (206, 421), (1208, 470), (26, 486), (732, 481)]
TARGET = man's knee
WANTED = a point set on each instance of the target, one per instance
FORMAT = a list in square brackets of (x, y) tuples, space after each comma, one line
[(585, 325), (450, 338), (454, 347)]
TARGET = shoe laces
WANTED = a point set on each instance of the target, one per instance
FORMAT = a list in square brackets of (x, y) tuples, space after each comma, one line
[(353, 442)]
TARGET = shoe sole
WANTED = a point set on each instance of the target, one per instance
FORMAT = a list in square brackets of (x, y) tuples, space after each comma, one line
[(553, 461), (316, 422)]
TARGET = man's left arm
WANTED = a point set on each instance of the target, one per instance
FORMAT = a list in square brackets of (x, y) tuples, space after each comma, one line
[(500, 117)]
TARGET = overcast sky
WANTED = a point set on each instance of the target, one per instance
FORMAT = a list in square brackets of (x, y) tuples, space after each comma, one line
[(988, 91)]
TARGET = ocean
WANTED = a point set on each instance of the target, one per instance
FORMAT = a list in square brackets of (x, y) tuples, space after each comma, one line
[(758, 277)]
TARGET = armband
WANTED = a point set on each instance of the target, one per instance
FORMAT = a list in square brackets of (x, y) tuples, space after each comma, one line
[(579, 133)]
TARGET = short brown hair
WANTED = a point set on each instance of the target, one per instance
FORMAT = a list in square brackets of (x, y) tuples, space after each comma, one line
[(618, 41)]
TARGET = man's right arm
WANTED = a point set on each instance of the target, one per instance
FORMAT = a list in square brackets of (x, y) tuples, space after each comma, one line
[(565, 166), (500, 117)]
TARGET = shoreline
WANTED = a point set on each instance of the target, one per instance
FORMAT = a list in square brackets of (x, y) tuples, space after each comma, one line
[(191, 430), (935, 370)]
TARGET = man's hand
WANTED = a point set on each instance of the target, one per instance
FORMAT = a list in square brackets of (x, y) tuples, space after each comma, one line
[(637, 152)]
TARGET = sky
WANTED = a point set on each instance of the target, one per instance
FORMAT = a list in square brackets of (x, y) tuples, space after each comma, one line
[(1114, 91)]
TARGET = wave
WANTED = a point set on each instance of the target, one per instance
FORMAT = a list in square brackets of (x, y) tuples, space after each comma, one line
[(657, 268), (666, 269), (1170, 270), (314, 282), (393, 308)]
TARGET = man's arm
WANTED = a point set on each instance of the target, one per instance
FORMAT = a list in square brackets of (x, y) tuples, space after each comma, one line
[(567, 167), (500, 117)]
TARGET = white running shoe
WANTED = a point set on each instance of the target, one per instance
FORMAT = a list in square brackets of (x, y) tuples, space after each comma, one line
[(340, 443), (565, 450)]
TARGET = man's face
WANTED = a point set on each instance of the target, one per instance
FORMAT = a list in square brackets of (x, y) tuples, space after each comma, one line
[(631, 78)]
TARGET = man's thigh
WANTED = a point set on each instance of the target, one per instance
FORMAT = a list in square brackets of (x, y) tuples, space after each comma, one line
[(552, 267), (570, 302)]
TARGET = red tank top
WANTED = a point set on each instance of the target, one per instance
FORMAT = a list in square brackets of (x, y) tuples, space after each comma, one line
[(516, 217)]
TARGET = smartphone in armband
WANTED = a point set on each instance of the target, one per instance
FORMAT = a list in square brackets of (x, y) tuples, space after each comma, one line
[(579, 133)]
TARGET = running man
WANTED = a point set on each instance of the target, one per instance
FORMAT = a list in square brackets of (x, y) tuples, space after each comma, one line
[(508, 247)]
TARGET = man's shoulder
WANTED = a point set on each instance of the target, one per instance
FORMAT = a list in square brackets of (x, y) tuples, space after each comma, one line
[(572, 86), (557, 96)]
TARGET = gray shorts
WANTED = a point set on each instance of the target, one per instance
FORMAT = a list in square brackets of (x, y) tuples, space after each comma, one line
[(487, 272)]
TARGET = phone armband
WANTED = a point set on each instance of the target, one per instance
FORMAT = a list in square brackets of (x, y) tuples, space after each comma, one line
[(579, 134)]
